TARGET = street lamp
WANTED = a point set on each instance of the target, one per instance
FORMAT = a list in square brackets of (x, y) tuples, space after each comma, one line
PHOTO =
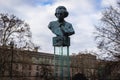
[(11, 67)]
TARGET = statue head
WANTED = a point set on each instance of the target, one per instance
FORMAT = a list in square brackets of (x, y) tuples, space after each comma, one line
[(61, 12)]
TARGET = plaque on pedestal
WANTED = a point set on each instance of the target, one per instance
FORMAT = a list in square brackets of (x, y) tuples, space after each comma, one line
[(61, 41)]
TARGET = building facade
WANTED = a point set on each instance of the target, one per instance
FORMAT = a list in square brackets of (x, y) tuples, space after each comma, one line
[(85, 64), (31, 65), (26, 65)]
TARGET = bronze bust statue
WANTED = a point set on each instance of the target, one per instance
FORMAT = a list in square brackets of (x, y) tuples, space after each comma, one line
[(61, 28)]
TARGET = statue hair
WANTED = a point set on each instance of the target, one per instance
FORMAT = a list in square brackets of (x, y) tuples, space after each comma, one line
[(65, 10)]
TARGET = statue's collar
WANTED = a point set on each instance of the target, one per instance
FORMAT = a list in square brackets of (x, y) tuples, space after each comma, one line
[(61, 22)]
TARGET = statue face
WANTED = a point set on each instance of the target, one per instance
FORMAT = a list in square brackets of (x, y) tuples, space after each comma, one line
[(60, 13)]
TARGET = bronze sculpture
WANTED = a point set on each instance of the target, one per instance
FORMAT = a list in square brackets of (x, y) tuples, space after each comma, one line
[(61, 43), (61, 28)]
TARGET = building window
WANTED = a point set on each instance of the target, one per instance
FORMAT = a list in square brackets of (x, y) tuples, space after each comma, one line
[(2, 73), (23, 67), (37, 74), (16, 66), (29, 73), (46, 61), (37, 67), (40, 60), (30, 67)]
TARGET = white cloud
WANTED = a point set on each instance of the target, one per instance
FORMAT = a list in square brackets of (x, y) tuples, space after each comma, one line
[(82, 14), (106, 3)]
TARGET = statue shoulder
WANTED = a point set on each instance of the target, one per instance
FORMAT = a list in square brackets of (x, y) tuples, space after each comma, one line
[(68, 24), (53, 22)]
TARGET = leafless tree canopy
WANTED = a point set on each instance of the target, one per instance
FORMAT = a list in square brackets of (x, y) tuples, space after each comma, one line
[(13, 28), (108, 32)]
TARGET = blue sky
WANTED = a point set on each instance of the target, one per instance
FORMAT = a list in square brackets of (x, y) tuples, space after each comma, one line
[(83, 14)]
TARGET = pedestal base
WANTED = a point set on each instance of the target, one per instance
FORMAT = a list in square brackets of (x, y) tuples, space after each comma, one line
[(61, 63)]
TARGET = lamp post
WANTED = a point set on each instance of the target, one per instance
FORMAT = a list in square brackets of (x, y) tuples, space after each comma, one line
[(11, 61)]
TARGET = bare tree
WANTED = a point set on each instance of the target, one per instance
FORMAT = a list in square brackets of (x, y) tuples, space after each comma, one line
[(13, 28), (108, 38), (108, 31)]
